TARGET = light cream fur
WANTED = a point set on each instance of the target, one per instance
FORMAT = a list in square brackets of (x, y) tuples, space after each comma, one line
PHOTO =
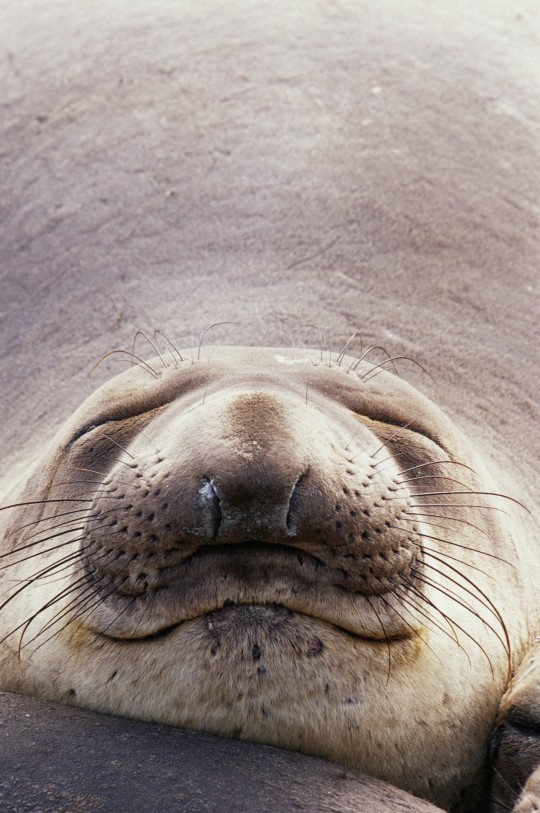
[(274, 546)]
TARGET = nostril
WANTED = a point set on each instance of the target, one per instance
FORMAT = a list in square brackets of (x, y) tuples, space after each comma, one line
[(212, 503), (294, 503)]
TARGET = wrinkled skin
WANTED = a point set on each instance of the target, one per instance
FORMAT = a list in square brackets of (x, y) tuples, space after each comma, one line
[(189, 163), (264, 544)]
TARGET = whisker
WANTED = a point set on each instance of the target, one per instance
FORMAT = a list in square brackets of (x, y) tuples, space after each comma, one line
[(433, 463), (454, 636), (107, 486), (210, 327), (112, 440), (320, 337), (455, 545), (41, 502), (26, 624), (432, 477), (391, 438), (371, 373), (346, 346), (484, 601), (138, 361), (151, 442), (171, 347), (58, 632), (91, 588), (463, 547), (394, 456), (74, 589), (402, 603), (42, 552), (121, 613), (124, 463), (20, 528), (40, 541), (415, 632), (444, 592), (154, 346), (454, 505), (353, 437), (430, 551), (441, 516), (96, 591), (508, 786), (406, 598), (353, 366), (387, 640), (447, 591), (468, 493), (87, 518), (28, 582), (56, 576), (108, 474), (64, 564)]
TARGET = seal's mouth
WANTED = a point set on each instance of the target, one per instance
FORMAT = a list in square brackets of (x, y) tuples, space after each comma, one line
[(227, 613), (360, 599)]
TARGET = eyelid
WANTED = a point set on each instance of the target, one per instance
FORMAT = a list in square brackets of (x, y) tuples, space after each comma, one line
[(89, 427), (119, 418), (400, 431)]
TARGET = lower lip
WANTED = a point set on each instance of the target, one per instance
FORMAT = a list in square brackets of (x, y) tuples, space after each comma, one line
[(270, 615)]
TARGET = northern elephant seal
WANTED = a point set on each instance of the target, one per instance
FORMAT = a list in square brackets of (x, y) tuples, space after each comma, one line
[(268, 544), (179, 163)]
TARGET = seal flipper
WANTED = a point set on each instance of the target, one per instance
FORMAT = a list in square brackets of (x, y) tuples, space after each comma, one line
[(515, 747)]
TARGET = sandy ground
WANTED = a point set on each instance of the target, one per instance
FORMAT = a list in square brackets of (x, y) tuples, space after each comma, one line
[(355, 165)]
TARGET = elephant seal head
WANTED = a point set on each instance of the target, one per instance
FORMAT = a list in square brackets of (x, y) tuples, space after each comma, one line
[(264, 544)]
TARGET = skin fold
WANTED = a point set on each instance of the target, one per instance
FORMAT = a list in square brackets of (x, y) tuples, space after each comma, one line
[(309, 174)]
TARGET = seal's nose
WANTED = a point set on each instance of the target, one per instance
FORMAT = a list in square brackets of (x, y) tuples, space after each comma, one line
[(263, 512), (261, 465), (247, 491)]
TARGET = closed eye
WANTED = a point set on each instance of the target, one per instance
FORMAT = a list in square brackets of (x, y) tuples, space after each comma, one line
[(393, 434), (89, 427)]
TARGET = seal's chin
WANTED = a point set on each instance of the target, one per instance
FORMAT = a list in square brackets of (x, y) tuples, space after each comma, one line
[(216, 580)]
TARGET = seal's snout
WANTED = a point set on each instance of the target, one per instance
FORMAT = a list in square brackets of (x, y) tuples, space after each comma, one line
[(252, 482), (261, 508), (249, 468)]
